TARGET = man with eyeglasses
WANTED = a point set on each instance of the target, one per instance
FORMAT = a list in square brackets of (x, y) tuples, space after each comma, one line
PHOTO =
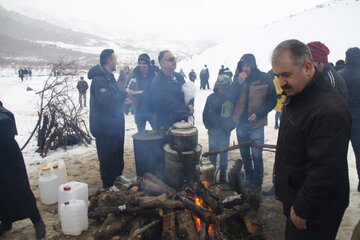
[(311, 172), (168, 98)]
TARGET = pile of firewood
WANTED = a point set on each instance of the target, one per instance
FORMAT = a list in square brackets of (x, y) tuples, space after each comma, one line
[(59, 117), (150, 209)]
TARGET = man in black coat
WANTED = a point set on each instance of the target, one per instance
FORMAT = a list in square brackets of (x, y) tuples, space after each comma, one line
[(17, 201), (107, 123), (311, 171), (351, 74), (168, 98)]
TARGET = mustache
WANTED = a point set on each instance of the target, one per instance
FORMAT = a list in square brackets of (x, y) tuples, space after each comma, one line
[(286, 87)]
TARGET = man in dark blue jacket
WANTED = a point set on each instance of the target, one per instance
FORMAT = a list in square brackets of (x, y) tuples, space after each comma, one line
[(351, 74), (168, 98), (107, 118)]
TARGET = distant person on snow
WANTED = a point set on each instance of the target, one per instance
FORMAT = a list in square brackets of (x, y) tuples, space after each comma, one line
[(21, 74), (17, 201), (229, 73), (320, 52), (340, 64), (192, 75), (204, 78), (153, 65), (82, 87)]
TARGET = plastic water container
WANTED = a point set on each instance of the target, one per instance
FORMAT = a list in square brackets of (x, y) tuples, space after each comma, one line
[(74, 218), (59, 169), (73, 190), (48, 185)]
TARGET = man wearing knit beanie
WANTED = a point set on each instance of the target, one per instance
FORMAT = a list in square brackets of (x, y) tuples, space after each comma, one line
[(140, 82), (320, 52)]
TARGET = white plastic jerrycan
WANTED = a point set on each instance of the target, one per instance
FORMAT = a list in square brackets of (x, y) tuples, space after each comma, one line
[(73, 190), (59, 169), (73, 217), (48, 185)]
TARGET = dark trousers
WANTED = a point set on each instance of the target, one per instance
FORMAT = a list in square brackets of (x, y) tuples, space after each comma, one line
[(324, 228), (355, 142), (141, 119), (252, 156), (110, 150), (219, 139)]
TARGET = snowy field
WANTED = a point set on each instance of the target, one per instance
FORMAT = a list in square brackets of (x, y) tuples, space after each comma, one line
[(23, 103)]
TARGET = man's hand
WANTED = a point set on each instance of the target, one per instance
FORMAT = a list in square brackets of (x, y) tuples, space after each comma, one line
[(299, 222), (242, 77), (191, 109), (129, 92), (252, 117)]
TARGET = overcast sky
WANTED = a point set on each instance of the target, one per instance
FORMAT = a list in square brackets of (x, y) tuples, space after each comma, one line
[(205, 17)]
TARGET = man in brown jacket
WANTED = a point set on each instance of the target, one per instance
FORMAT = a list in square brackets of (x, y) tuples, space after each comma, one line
[(255, 96)]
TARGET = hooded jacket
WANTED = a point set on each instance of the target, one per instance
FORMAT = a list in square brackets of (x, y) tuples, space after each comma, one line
[(351, 75), (106, 103), (311, 171), (256, 95)]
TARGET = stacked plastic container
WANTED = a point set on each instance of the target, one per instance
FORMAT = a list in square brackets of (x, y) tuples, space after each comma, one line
[(73, 207), (48, 185), (73, 216)]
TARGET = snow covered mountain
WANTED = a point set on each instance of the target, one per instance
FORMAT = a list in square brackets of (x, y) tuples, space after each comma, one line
[(333, 23)]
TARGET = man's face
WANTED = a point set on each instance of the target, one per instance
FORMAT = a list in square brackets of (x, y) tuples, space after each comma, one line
[(168, 63), (292, 78), (143, 67), (246, 69), (112, 63)]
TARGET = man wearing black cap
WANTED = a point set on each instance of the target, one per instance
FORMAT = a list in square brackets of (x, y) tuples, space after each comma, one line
[(140, 83), (320, 52), (254, 96)]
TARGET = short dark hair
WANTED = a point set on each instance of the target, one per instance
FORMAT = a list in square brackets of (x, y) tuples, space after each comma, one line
[(299, 51), (353, 55), (105, 56), (162, 54)]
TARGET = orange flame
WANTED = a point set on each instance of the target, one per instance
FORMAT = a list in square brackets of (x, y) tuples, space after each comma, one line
[(199, 202)]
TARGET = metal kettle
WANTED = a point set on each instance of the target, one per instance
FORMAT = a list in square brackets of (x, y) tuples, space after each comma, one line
[(205, 170)]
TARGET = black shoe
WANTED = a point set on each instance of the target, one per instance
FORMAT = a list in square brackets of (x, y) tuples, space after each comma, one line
[(270, 192), (5, 227), (40, 230)]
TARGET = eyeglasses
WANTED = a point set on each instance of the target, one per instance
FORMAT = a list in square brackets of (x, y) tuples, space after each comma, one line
[(172, 59)]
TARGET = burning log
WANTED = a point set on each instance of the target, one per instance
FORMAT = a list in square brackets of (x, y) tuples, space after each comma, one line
[(210, 200), (160, 202), (251, 222), (200, 212), (169, 226), (186, 226)]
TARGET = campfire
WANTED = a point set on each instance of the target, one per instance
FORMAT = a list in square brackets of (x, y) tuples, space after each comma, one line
[(151, 209)]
